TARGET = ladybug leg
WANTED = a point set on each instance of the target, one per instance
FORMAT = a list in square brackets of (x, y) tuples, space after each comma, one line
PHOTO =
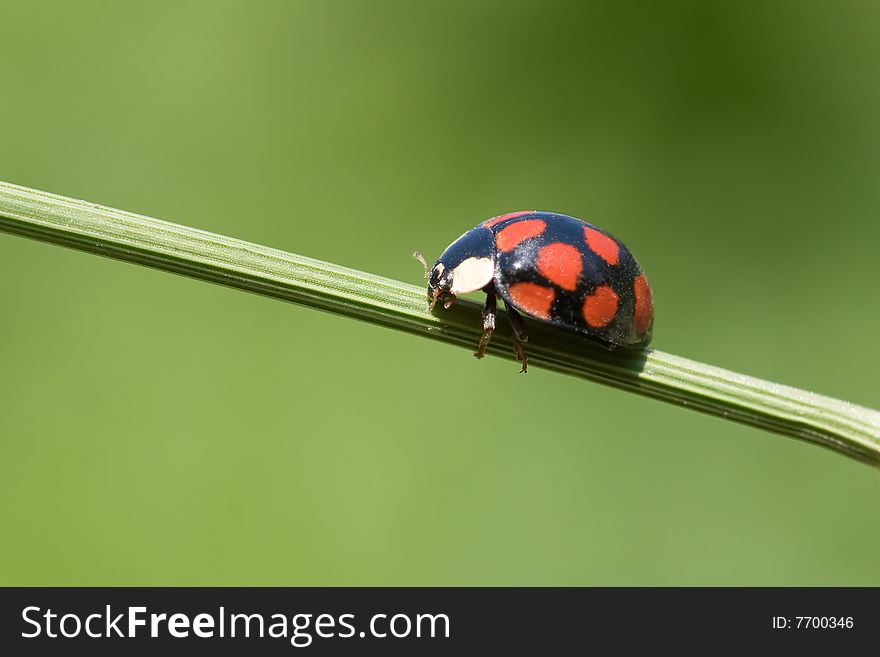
[(520, 337), (610, 346), (489, 309)]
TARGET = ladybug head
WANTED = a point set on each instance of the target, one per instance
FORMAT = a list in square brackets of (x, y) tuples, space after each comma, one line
[(467, 265), (440, 286), (445, 282), (439, 282)]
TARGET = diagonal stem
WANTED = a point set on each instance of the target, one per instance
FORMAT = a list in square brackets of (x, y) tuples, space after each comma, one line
[(839, 425)]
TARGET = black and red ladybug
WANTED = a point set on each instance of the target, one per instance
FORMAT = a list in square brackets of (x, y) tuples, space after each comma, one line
[(553, 268)]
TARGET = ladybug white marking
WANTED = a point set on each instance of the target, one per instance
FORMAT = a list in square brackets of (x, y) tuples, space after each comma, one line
[(472, 274)]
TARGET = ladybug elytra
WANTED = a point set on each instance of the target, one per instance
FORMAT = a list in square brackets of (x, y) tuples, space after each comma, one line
[(553, 268)]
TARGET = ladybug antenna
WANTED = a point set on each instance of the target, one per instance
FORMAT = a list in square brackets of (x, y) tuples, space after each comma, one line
[(418, 256)]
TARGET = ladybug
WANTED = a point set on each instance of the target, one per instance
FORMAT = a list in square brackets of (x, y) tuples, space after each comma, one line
[(550, 267)]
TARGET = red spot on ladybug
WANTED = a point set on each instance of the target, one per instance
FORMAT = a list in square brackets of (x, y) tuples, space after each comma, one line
[(510, 236), (602, 245), (504, 217), (532, 298), (561, 264), (600, 307), (644, 312)]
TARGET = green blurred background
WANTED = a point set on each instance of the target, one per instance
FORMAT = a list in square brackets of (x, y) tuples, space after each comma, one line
[(158, 430)]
